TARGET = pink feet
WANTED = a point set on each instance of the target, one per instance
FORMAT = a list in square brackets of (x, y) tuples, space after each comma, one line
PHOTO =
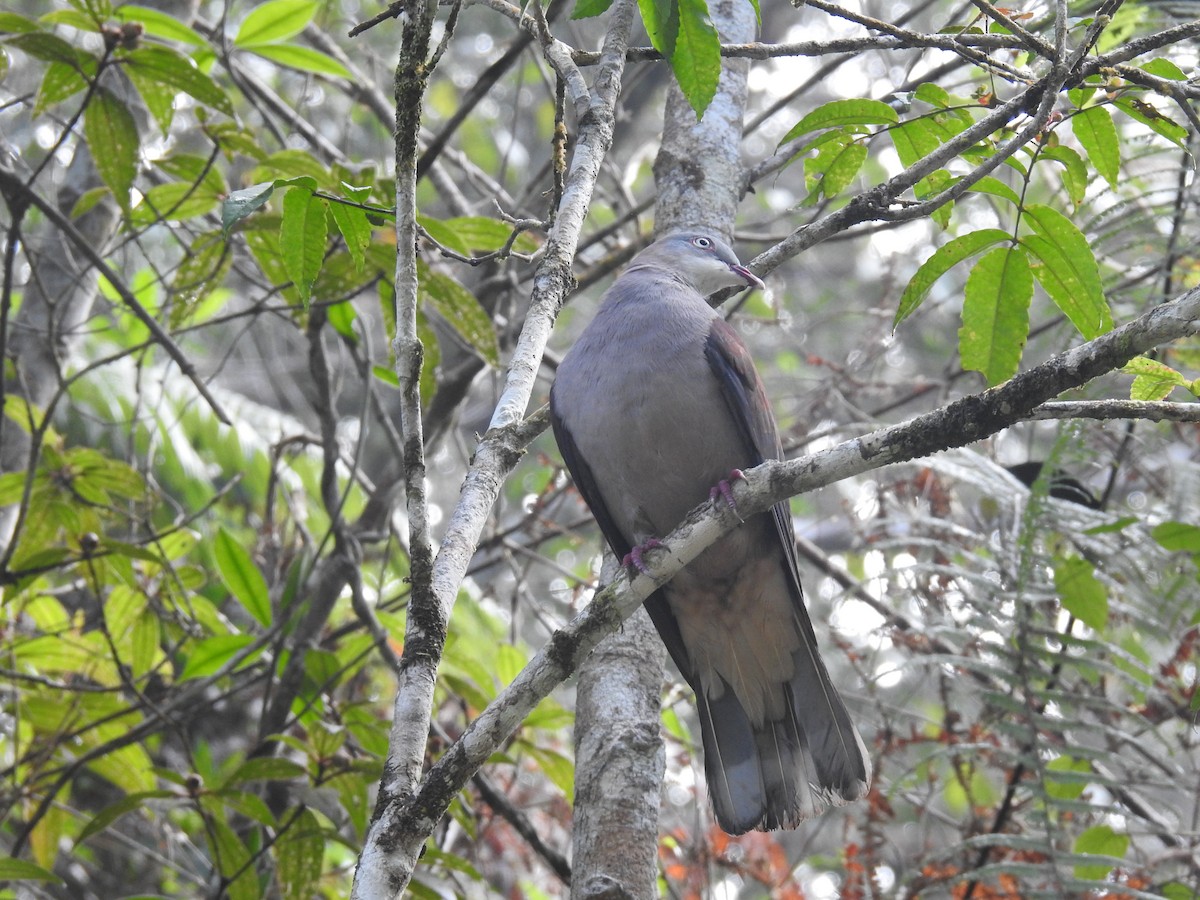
[(635, 558), (724, 489)]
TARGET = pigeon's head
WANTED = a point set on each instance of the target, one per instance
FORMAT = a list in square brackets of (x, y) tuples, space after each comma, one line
[(703, 260)]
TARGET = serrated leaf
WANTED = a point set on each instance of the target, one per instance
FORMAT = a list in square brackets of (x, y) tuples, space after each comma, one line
[(1094, 129), (160, 24), (1154, 380), (1100, 840), (944, 258), (996, 314), (840, 113), (355, 228), (302, 233), (242, 577), (162, 65), (303, 59), (1075, 171), (586, 9), (696, 57), (112, 136), (460, 309), (834, 167), (1081, 594), (276, 20), (299, 854), (242, 203), (1068, 270), (933, 94)]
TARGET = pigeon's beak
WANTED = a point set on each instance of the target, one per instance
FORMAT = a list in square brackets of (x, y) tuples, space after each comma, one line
[(751, 279)]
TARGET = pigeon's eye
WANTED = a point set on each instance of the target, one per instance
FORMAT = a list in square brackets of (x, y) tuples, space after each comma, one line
[(702, 242)]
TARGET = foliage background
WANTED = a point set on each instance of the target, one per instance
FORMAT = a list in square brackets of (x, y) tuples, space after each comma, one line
[(206, 565)]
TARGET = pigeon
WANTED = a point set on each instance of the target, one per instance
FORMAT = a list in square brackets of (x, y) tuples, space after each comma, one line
[(656, 408)]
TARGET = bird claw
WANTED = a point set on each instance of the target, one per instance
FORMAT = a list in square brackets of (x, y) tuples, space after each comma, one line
[(723, 490), (635, 558)]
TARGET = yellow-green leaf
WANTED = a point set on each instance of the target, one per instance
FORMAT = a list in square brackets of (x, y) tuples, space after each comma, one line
[(276, 20), (112, 136), (996, 314), (1094, 129), (1066, 268), (944, 258)]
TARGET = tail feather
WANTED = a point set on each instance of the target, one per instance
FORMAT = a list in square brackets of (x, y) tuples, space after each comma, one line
[(782, 771)]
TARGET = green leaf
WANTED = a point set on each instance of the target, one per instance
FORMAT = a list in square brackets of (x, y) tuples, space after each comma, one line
[(12, 23), (233, 860), (20, 870), (1100, 840), (834, 167), (1094, 129), (996, 314), (460, 309), (160, 24), (661, 18), (933, 94), (241, 204), (839, 113), (1141, 111), (586, 9), (1154, 380), (304, 59), (355, 228), (1082, 595), (242, 577), (114, 811), (433, 355), (944, 258), (61, 81), (1178, 536), (302, 233), (913, 140), (202, 269), (996, 188), (112, 136), (276, 20), (266, 768), (211, 654), (696, 58), (1067, 777), (1075, 171), (1163, 68), (479, 233), (1067, 270), (51, 48), (558, 768), (155, 64), (299, 854)]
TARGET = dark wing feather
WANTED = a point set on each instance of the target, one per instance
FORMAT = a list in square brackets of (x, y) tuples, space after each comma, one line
[(585, 483), (747, 401)]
